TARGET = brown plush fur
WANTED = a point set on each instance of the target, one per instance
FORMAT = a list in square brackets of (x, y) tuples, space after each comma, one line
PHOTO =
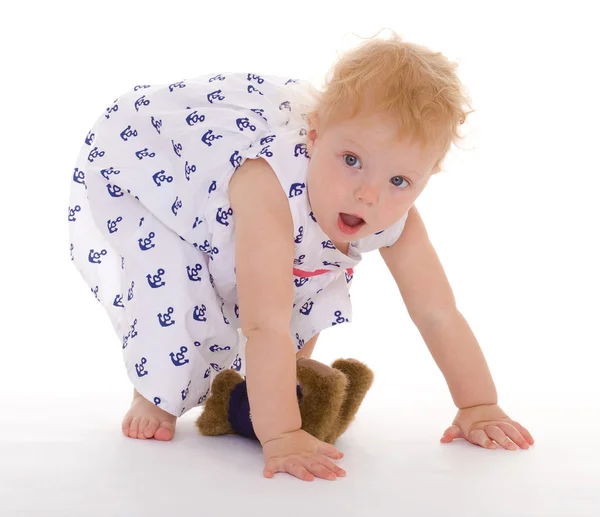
[(214, 420), (331, 398), (360, 378), (324, 391)]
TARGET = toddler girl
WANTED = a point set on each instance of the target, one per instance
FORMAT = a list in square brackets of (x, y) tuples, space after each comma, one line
[(219, 219)]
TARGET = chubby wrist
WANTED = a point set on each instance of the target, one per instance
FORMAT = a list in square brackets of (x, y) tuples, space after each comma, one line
[(272, 438), (481, 404), (276, 430), (272, 384)]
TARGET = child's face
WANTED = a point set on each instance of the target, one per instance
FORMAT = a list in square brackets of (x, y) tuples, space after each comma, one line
[(357, 167)]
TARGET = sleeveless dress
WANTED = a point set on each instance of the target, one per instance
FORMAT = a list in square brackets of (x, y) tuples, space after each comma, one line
[(152, 231)]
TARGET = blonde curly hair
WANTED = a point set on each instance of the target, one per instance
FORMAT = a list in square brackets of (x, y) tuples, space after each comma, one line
[(417, 86)]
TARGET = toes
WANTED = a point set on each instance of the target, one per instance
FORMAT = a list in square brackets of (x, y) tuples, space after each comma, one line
[(133, 428), (165, 432), (126, 424), (151, 428), (142, 428)]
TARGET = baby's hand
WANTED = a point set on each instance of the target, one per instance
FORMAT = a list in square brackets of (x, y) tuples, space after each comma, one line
[(488, 426), (302, 455)]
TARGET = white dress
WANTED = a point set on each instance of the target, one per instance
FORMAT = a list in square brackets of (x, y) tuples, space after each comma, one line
[(152, 230)]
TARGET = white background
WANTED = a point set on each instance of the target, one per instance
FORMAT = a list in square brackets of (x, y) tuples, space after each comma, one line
[(514, 219)]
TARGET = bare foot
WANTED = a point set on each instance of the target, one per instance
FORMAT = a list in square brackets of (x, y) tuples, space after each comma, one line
[(146, 420)]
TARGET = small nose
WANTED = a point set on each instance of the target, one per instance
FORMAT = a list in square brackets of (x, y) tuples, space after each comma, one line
[(368, 194)]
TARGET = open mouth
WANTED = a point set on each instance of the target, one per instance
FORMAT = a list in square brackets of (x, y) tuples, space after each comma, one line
[(349, 224)]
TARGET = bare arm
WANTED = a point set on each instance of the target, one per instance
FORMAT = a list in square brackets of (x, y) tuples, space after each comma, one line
[(430, 301), (264, 245), (271, 380), (460, 358)]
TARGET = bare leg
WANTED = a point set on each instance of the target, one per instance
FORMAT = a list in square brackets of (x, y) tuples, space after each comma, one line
[(308, 348)]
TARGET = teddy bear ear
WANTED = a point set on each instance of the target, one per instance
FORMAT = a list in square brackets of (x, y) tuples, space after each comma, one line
[(323, 390), (214, 419), (360, 379)]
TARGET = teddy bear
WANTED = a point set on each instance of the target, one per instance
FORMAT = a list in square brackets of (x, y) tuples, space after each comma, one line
[(328, 398)]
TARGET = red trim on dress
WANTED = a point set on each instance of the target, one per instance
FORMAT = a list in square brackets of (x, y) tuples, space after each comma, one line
[(308, 274)]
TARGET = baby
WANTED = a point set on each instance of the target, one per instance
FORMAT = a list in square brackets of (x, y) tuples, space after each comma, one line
[(218, 221)]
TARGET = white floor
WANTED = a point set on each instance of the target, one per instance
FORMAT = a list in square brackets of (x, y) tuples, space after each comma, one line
[(514, 220), (60, 462), (63, 392)]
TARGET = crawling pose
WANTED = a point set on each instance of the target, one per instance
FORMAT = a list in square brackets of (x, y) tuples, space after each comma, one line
[(219, 219)]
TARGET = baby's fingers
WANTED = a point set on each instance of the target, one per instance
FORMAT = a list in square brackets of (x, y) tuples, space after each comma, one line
[(327, 463), (296, 468), (323, 468), (524, 432), (513, 434), (270, 469), (478, 437), (291, 466), (329, 450)]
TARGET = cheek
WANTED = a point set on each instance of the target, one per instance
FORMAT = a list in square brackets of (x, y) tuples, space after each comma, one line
[(337, 176), (397, 211), (327, 179), (326, 174), (318, 183)]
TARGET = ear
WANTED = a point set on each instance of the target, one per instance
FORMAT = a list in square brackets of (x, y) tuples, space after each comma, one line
[(313, 131), (323, 393)]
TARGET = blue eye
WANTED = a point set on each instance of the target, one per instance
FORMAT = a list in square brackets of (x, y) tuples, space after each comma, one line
[(401, 179), (396, 180), (356, 160)]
